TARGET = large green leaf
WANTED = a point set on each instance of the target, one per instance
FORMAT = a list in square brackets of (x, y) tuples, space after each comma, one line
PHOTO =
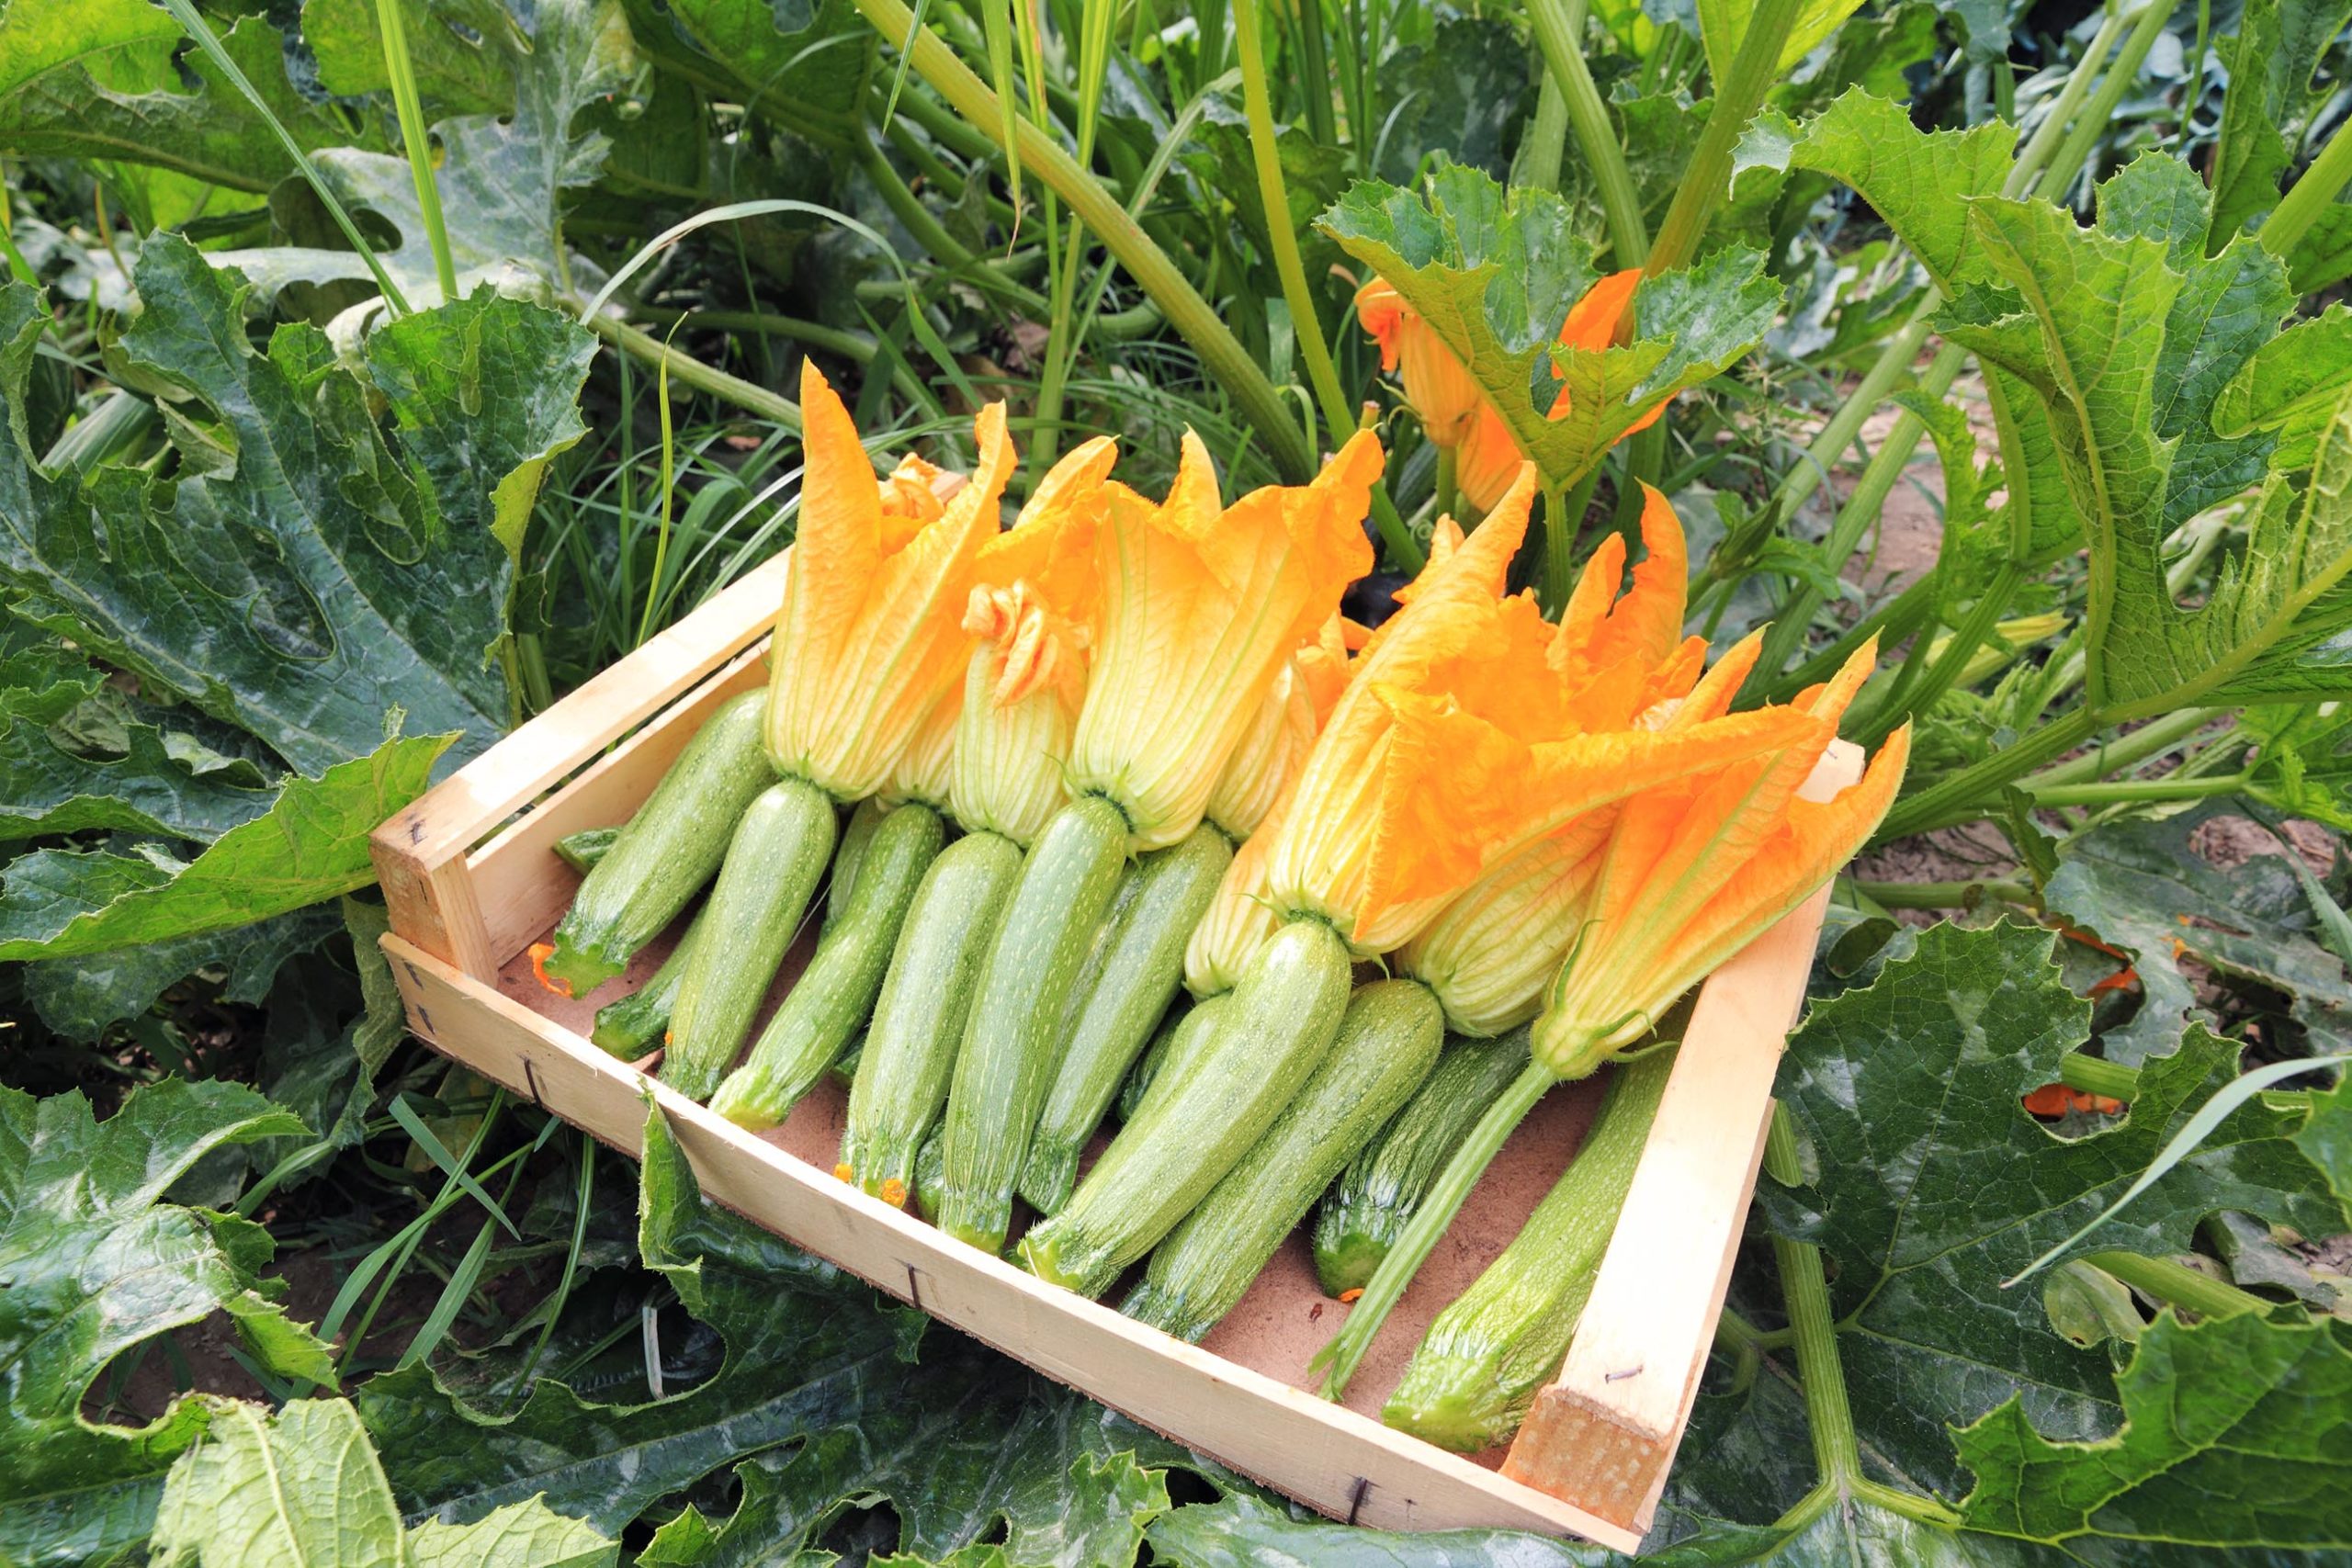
[(2235, 1434), (1494, 273), (804, 63), (1242, 1531), (102, 79), (2126, 342), (2143, 886), (2270, 60), (302, 1487), (80, 997), (94, 1264), (1919, 181), (452, 51), (311, 846), (501, 178), (1929, 1185), (333, 575)]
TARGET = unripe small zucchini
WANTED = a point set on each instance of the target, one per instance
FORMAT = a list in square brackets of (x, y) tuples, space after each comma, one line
[(773, 867), (844, 1068), (1376, 1196), (1141, 965), (582, 850), (634, 1025), (668, 850), (860, 829), (1385, 1047), (910, 1054), (1006, 1061), (931, 1166), (1475, 1375), (830, 1000), (1277, 1026), (1146, 1067), (1179, 1052)]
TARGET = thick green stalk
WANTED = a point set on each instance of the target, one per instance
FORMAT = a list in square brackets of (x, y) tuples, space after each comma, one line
[(1805, 1288), (417, 141), (1707, 179), (932, 235), (1558, 25), (1339, 1359), (2151, 739), (2110, 792), (1942, 894), (1540, 148), (2313, 195), (1100, 210), (2098, 119), (1954, 798), (2178, 1285), (1274, 197), (695, 373)]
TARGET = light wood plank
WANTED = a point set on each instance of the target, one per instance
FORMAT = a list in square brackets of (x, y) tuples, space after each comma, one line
[(1603, 1436), (1344, 1464)]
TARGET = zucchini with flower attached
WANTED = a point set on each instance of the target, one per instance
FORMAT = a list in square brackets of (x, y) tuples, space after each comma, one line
[(1384, 1048), (1001, 776), (1470, 1383), (869, 643), (1200, 606), (1421, 782)]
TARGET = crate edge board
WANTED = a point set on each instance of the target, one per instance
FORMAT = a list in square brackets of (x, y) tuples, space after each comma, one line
[(983, 1296)]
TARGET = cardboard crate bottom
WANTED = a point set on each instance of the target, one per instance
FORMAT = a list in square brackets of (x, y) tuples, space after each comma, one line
[(471, 879)]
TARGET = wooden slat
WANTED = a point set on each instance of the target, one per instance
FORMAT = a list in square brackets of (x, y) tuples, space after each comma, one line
[(1603, 1436), (1344, 1464), (520, 884)]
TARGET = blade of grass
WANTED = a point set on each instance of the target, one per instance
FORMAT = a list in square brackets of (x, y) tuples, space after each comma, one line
[(452, 1298), (581, 1202), (413, 1125), (669, 476), (417, 141)]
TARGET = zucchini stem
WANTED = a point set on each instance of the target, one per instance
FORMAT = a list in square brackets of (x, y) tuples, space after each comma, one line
[(1339, 1357)]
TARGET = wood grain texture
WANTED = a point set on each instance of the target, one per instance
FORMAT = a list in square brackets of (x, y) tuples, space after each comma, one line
[(1341, 1462), (1603, 1435)]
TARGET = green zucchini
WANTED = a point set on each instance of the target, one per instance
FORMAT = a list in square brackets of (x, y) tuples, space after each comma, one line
[(1386, 1045), (910, 1053), (844, 1068), (1475, 1372), (930, 1165), (830, 1000), (582, 850), (1006, 1061), (1146, 1067), (1140, 968), (668, 850), (854, 836), (1268, 1038), (773, 867), (1185, 1045), (635, 1024), (1376, 1195)]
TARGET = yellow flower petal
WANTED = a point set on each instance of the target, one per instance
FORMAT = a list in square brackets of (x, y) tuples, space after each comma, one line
[(870, 633), (1443, 393)]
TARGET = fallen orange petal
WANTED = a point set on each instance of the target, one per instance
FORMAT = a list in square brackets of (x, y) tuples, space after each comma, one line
[(1347, 1296), (894, 1192), (540, 952), (841, 1171), (2056, 1100)]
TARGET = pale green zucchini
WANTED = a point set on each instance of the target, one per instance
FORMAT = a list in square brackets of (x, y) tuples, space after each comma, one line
[(833, 996), (844, 1068), (1269, 1037), (1183, 1050), (1386, 1044), (931, 1165), (667, 852), (910, 1053), (1471, 1382), (855, 835), (1146, 1067), (1006, 1061), (634, 1025), (773, 867), (1376, 1196), (1140, 966)]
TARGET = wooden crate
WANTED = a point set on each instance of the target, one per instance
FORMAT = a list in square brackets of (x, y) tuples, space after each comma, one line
[(471, 879)]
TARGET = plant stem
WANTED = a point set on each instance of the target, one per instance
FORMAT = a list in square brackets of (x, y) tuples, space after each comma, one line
[(2097, 1075), (1557, 24), (1707, 180), (1307, 322), (1539, 158), (695, 373), (1805, 1288), (1953, 799), (2151, 739), (2098, 119), (2178, 1285), (1943, 895), (417, 141), (2310, 195), (1563, 517), (1145, 261), (2110, 791), (932, 235)]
